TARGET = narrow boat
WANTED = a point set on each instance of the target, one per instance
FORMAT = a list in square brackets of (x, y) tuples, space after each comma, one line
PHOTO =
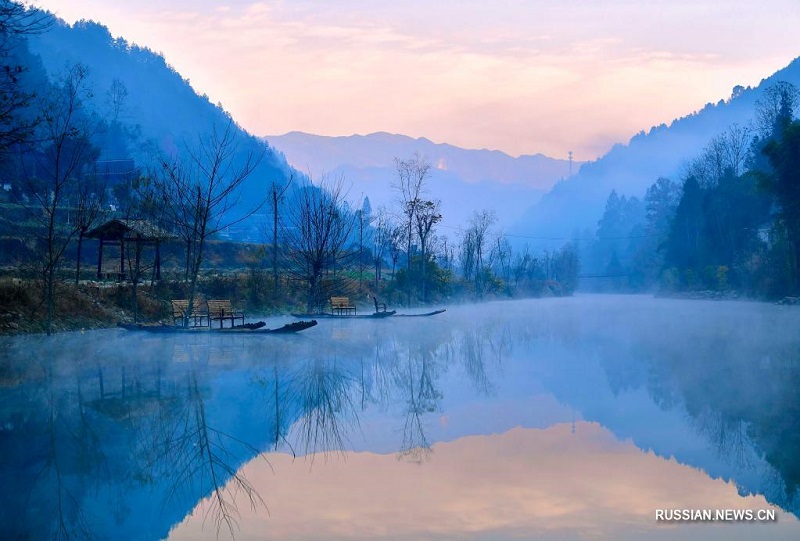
[(426, 314), (375, 315), (248, 328), (324, 315)]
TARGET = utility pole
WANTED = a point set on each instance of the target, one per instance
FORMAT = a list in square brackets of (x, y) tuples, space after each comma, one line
[(360, 247), (570, 162)]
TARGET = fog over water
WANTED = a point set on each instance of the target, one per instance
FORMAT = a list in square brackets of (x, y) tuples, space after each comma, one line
[(553, 418)]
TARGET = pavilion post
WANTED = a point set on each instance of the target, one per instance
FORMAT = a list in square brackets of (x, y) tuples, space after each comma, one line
[(138, 258), (158, 259), (122, 259), (100, 261)]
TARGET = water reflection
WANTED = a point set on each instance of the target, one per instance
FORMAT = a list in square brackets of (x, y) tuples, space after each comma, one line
[(107, 437), (525, 483), (325, 394), (115, 435)]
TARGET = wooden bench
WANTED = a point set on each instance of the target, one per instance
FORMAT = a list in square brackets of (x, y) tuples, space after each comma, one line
[(222, 310), (342, 306), (199, 316)]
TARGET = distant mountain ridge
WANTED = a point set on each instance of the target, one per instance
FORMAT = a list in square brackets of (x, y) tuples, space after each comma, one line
[(380, 148), (465, 180), (574, 205), (534, 196)]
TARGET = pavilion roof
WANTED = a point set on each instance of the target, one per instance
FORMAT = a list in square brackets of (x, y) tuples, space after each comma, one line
[(129, 229)]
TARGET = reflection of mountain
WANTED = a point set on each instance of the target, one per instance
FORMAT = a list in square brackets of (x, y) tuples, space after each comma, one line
[(121, 435), (549, 483), (112, 435), (686, 381), (118, 437)]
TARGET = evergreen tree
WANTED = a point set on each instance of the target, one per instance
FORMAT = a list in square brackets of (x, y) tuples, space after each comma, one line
[(684, 245), (784, 156)]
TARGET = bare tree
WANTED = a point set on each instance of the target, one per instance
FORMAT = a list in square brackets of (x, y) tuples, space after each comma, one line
[(427, 216), (90, 197), (63, 152), (200, 194), (411, 176), (396, 235), (19, 20), (778, 100), (447, 255), (478, 234), (467, 255), (320, 226), (380, 240), (16, 22), (276, 195), (116, 96), (724, 157), (361, 219), (502, 257)]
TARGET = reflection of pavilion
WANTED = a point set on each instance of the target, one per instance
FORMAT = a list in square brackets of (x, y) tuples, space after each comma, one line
[(138, 232)]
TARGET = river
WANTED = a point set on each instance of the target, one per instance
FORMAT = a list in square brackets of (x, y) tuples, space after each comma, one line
[(594, 416)]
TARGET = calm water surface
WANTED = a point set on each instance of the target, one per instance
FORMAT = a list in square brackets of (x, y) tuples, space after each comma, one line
[(555, 419)]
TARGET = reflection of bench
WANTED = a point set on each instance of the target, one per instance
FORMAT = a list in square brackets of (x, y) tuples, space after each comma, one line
[(341, 306), (199, 317), (222, 310)]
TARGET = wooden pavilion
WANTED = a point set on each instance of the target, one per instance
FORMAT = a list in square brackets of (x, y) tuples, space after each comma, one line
[(122, 232)]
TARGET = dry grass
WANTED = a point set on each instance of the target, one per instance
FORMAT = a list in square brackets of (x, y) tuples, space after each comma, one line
[(22, 306)]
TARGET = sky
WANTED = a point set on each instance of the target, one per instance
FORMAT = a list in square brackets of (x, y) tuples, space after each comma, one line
[(523, 77)]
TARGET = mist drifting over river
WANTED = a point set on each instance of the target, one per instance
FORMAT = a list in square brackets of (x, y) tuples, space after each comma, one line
[(121, 433)]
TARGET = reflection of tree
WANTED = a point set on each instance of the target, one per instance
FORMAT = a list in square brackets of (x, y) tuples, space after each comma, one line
[(70, 520), (279, 391), (58, 457), (728, 436), (481, 346), (776, 427), (95, 434), (277, 387), (199, 459), (730, 372), (742, 398), (418, 378), (323, 391), (377, 377), (144, 425)]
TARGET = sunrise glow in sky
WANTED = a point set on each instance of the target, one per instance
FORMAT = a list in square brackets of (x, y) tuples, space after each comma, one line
[(518, 76)]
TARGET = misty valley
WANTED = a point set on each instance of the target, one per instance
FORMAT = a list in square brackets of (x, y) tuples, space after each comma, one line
[(209, 332), (547, 418)]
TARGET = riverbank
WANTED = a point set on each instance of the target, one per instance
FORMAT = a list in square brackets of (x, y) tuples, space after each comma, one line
[(77, 307), (704, 295), (710, 295)]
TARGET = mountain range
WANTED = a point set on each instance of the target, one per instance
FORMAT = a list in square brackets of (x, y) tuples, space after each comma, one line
[(574, 205), (535, 197), (160, 110), (464, 180)]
